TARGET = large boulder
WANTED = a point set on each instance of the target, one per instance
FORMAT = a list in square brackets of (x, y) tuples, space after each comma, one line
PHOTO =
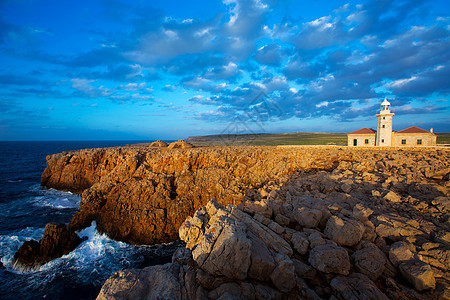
[(370, 261), (330, 258), (345, 231), (156, 282), (308, 217), (224, 249), (56, 242), (159, 143), (419, 274), (180, 145), (356, 287)]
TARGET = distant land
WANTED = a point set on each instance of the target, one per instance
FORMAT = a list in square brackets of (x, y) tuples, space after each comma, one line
[(274, 139)]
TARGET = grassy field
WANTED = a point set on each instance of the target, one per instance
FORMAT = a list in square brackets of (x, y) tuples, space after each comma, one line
[(443, 138), (274, 139), (271, 139)]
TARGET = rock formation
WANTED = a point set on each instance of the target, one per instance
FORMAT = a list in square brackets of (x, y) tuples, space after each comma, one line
[(143, 195), (376, 227), (158, 143), (56, 242), (180, 145)]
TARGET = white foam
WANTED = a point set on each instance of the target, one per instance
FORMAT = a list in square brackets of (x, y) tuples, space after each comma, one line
[(55, 199)]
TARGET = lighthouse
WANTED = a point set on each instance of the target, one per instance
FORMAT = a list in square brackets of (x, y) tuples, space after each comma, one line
[(384, 126)]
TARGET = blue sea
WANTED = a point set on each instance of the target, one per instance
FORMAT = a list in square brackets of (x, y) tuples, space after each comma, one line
[(25, 209)]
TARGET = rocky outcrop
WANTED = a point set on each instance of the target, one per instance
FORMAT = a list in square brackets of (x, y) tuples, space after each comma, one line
[(142, 195), (158, 143), (180, 145), (56, 242), (324, 234)]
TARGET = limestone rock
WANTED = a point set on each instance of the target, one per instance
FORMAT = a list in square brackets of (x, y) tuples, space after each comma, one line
[(262, 262), (56, 242), (156, 282), (393, 197), (180, 145), (300, 242), (370, 261), (303, 270), (308, 217), (159, 143), (356, 287), (419, 274), (283, 277), (330, 259), (345, 232), (224, 250), (400, 252)]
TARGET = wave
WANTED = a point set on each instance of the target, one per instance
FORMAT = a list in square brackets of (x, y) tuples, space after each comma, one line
[(54, 198), (88, 266)]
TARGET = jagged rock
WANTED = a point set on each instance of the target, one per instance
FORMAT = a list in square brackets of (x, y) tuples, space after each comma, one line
[(356, 287), (345, 232), (262, 262), (180, 145), (303, 270), (224, 249), (159, 143), (272, 240), (393, 197), (369, 261), (283, 277), (209, 281), (156, 282), (229, 290), (418, 273), (56, 242), (400, 252), (330, 259), (308, 217), (258, 207), (315, 239), (282, 220), (143, 195), (300, 242)]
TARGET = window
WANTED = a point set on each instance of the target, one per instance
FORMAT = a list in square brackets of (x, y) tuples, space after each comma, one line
[(382, 140), (419, 141), (384, 118), (355, 142), (403, 141), (384, 126), (366, 141)]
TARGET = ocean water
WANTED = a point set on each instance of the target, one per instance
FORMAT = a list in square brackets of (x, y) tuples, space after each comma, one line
[(25, 209)]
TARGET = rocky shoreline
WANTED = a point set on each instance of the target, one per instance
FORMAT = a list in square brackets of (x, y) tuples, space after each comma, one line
[(372, 228), (303, 223)]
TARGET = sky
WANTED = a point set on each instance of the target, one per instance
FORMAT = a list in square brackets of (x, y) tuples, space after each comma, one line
[(162, 69)]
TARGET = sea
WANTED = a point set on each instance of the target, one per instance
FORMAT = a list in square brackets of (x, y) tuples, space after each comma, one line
[(26, 207)]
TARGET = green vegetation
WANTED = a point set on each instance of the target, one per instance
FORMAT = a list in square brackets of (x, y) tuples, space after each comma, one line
[(275, 139), (443, 138), (271, 139)]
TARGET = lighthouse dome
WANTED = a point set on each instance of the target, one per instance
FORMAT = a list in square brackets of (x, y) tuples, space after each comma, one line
[(385, 106)]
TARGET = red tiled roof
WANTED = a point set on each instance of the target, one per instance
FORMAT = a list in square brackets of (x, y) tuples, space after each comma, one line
[(364, 131), (413, 129)]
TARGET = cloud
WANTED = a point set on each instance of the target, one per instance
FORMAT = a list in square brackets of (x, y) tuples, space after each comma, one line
[(269, 55), (133, 86)]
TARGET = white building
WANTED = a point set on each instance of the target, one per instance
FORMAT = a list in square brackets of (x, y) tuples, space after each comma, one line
[(384, 136)]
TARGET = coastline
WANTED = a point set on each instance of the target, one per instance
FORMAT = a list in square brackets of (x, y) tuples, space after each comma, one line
[(228, 174)]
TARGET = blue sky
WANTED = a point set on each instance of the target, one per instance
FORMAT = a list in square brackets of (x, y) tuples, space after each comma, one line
[(112, 69)]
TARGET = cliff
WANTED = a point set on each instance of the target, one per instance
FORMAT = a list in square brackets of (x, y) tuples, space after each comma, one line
[(375, 226), (142, 195)]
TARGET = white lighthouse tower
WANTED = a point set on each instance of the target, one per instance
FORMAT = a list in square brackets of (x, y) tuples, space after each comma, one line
[(384, 126)]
